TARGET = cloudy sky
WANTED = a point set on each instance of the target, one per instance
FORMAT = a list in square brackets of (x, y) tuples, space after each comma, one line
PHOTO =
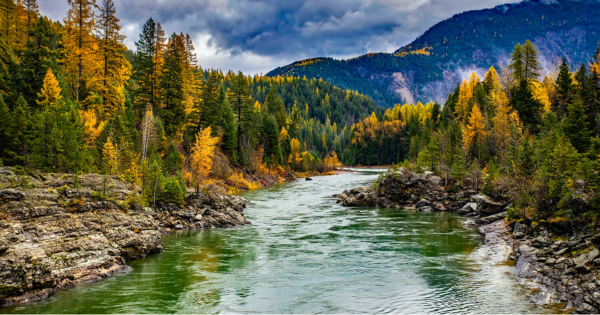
[(256, 36)]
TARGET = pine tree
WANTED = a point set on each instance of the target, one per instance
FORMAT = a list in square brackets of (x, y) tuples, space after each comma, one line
[(531, 66), (274, 105), (564, 90), (20, 134), (49, 139), (40, 54), (241, 101), (585, 91), (5, 124), (210, 106), (229, 128), (527, 106), (145, 70), (172, 110), (576, 126), (517, 64), (272, 150)]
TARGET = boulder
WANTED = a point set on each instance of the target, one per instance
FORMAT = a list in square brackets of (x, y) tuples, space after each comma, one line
[(486, 205), (468, 208), (540, 242), (519, 230)]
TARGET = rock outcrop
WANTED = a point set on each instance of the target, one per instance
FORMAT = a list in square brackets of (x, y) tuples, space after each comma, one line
[(564, 271), (423, 192), (54, 236)]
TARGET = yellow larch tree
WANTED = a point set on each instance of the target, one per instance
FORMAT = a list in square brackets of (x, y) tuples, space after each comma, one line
[(492, 80), (200, 160), (474, 132), (506, 125), (543, 91), (92, 126), (464, 96), (295, 157), (80, 47), (112, 157), (50, 93)]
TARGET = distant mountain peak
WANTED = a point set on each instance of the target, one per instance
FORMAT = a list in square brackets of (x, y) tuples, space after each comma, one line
[(430, 67)]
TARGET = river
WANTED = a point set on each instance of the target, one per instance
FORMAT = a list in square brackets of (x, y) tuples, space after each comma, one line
[(305, 254)]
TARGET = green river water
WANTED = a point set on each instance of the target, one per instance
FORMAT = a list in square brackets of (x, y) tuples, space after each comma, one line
[(305, 254)]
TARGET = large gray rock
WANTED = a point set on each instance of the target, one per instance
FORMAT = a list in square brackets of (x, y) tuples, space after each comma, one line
[(487, 205)]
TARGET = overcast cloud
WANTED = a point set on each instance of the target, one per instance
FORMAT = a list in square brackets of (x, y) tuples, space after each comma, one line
[(256, 36)]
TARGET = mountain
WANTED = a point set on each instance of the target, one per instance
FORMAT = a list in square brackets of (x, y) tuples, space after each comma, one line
[(431, 66)]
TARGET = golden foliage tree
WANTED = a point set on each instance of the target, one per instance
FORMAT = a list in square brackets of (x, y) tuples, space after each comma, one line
[(464, 96), (50, 93), (201, 158), (92, 126), (506, 125), (111, 156), (474, 132), (80, 47)]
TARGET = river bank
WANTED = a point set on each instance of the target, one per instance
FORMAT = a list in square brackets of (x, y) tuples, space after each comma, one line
[(305, 254), (563, 267), (61, 230)]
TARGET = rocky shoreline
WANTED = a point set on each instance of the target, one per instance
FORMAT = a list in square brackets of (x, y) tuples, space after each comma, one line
[(562, 267), (54, 236)]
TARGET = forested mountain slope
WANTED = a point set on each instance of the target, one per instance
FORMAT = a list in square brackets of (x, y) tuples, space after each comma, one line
[(431, 66)]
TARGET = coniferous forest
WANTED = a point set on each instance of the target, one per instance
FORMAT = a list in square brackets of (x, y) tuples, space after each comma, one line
[(76, 100)]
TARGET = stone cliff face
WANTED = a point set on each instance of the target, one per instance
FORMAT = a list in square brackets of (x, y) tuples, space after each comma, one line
[(54, 236)]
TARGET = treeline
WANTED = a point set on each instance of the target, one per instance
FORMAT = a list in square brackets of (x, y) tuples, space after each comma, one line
[(511, 133), (74, 99)]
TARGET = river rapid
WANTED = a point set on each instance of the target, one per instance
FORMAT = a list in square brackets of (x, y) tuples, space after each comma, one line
[(305, 254)]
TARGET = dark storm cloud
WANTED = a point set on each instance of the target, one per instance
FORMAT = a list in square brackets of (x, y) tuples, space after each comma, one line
[(287, 29)]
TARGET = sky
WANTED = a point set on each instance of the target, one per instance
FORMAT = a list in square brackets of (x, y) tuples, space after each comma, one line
[(256, 36)]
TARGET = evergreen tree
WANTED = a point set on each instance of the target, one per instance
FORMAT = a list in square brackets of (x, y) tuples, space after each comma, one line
[(5, 124), (144, 71), (20, 135), (40, 54), (272, 150), (274, 105), (564, 90), (527, 106), (576, 126), (172, 111), (210, 106), (517, 63), (531, 65), (241, 101), (229, 129), (586, 92)]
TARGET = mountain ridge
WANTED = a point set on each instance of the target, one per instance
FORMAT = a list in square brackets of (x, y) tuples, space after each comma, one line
[(431, 66)]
